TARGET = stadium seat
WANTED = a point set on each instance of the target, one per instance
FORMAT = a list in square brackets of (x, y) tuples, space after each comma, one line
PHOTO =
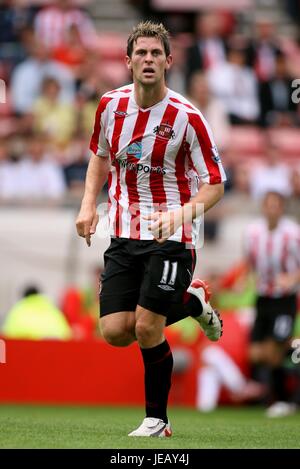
[(288, 142), (111, 46), (115, 72), (248, 141)]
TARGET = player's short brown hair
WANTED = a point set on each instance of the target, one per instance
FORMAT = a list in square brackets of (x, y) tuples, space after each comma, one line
[(149, 29)]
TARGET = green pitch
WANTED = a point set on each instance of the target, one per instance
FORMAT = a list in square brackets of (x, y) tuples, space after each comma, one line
[(99, 427)]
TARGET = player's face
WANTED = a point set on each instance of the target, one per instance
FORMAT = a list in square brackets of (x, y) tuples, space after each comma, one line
[(273, 207), (148, 61)]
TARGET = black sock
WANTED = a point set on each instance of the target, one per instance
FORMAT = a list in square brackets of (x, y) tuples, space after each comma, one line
[(158, 363), (177, 312), (262, 374), (278, 384)]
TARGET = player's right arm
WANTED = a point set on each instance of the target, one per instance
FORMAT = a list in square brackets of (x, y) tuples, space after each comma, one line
[(96, 177)]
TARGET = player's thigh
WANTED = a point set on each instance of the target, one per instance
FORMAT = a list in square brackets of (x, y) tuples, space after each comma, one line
[(275, 351), (257, 352), (168, 274), (120, 281)]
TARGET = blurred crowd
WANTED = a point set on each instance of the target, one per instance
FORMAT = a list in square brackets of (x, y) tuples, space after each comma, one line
[(56, 65)]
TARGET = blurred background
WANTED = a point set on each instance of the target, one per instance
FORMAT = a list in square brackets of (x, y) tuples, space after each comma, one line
[(236, 61)]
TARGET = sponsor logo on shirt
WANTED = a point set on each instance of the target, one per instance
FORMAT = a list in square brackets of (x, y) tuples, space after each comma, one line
[(129, 160), (135, 150), (164, 131), (120, 114), (139, 167), (215, 154)]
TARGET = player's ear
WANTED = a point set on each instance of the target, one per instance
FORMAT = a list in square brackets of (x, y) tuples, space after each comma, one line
[(169, 61), (128, 62)]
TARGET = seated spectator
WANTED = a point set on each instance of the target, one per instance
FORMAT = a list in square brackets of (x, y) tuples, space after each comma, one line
[(52, 118), (273, 175), (235, 85), (72, 52), (15, 18), (264, 49), (75, 172), (35, 318), (52, 23), (209, 48), (28, 76), (10, 179), (211, 107), (176, 75), (239, 200), (276, 105), (40, 177)]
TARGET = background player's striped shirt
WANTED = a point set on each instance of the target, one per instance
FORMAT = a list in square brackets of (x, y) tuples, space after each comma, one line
[(52, 26), (158, 156), (272, 253)]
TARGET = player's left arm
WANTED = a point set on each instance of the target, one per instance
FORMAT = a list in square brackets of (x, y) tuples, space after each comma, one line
[(164, 224), (203, 154)]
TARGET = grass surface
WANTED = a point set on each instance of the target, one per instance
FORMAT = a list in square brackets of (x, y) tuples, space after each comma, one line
[(107, 427)]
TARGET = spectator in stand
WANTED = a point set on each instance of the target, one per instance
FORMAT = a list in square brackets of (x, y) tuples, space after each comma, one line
[(9, 172), (176, 76), (276, 105), (52, 24), (262, 52), (211, 107), (41, 178), (87, 102), (35, 317), (75, 172), (239, 201), (274, 174), (235, 85), (209, 49), (28, 76), (72, 52), (14, 19), (51, 117), (292, 7)]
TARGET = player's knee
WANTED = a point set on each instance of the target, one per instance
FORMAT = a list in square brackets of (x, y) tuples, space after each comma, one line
[(117, 337), (257, 354), (274, 357), (145, 332)]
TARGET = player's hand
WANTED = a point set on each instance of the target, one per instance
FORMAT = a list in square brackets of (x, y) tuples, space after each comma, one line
[(86, 223), (286, 281), (164, 224)]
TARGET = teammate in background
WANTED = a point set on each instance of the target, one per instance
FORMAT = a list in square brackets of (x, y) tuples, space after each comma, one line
[(154, 147), (273, 251)]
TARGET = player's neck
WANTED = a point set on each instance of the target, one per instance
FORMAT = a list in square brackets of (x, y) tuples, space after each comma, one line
[(273, 224), (149, 96)]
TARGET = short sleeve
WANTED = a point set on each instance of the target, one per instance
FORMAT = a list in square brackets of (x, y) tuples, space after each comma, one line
[(98, 143), (203, 151)]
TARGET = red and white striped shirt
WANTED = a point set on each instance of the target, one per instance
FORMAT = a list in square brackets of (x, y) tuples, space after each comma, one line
[(272, 253), (158, 156), (52, 26)]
